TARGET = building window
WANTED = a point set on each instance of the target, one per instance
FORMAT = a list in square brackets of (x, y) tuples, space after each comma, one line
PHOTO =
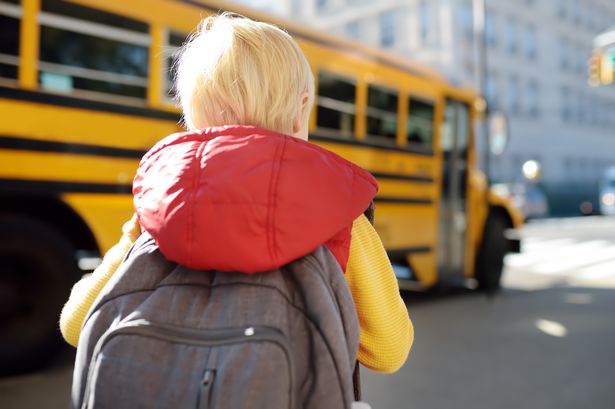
[(466, 19), (490, 34), (336, 103), (387, 29), (582, 59), (562, 8), (565, 109), (601, 20), (511, 36), (533, 98), (593, 111), (513, 95), (425, 21), (589, 19), (530, 43), (420, 122), (491, 91), (9, 41), (92, 53), (575, 11), (564, 50), (580, 107), (354, 30), (607, 111), (382, 112)]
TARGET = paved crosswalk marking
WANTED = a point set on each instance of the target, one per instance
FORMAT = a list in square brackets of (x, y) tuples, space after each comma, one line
[(565, 257)]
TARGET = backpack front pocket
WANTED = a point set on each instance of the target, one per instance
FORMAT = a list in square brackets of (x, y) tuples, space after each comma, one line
[(152, 365)]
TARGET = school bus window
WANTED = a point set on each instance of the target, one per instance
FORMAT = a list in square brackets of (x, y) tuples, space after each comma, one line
[(9, 41), (174, 42), (420, 122), (85, 56), (382, 113), (336, 103), (454, 134), (70, 9)]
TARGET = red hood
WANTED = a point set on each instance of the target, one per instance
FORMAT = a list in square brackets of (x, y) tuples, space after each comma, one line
[(240, 198)]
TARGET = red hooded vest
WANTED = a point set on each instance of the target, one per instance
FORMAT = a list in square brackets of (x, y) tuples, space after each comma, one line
[(240, 198)]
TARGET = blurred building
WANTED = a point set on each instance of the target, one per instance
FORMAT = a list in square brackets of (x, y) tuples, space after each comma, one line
[(537, 59)]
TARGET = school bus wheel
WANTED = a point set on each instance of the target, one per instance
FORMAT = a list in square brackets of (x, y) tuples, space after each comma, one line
[(490, 260), (37, 269)]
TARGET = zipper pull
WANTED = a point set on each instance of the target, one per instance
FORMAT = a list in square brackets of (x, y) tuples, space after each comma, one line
[(206, 388), (208, 376)]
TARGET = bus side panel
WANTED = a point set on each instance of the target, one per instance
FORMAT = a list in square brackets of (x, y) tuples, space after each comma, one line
[(105, 215), (411, 228), (86, 157), (406, 208), (22, 118)]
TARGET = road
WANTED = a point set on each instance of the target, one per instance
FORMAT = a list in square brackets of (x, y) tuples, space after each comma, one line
[(546, 341)]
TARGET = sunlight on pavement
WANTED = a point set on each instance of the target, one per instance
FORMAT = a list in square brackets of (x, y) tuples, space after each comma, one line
[(555, 329), (574, 252), (579, 298)]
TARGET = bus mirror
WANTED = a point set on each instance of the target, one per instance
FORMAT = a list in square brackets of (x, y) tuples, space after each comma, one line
[(498, 133)]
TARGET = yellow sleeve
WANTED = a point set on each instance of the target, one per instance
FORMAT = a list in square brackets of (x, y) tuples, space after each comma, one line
[(386, 330), (86, 290)]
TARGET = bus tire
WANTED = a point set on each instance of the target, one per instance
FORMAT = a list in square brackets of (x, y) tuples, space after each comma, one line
[(37, 270), (490, 261)]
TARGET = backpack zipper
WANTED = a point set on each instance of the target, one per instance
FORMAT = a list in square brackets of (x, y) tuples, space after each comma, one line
[(193, 336), (206, 386)]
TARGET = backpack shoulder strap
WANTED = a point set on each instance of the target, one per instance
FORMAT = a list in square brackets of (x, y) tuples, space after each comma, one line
[(142, 270)]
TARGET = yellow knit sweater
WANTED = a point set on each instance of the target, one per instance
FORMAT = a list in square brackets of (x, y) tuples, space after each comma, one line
[(386, 331)]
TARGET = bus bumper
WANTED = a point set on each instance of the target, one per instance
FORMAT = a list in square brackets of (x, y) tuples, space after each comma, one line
[(513, 240)]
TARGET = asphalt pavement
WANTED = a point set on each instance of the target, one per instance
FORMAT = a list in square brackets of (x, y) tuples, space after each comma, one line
[(546, 341)]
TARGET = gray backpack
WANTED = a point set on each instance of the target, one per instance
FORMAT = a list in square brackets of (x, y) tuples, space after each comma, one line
[(164, 336)]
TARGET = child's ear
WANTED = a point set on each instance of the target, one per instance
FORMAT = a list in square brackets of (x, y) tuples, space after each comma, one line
[(302, 103)]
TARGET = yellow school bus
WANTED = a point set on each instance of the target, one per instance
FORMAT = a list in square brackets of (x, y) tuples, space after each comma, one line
[(85, 90)]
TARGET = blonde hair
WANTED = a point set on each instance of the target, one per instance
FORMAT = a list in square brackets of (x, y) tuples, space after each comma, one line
[(234, 70)]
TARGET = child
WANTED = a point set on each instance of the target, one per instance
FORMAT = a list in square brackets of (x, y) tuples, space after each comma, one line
[(244, 85)]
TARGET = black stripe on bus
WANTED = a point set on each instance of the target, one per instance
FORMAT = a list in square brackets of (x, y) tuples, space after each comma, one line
[(400, 255), (56, 187), (26, 144), (403, 200), (326, 43), (73, 102), (23, 144), (367, 144), (397, 253), (47, 186), (409, 178)]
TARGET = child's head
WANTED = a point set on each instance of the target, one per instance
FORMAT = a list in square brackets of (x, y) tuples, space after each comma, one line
[(235, 70)]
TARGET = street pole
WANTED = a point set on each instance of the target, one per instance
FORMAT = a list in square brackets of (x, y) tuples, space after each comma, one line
[(480, 72)]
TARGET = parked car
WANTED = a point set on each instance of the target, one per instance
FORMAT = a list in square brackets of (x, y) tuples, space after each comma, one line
[(607, 192), (527, 197)]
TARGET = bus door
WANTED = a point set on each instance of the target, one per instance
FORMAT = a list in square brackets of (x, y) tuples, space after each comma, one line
[(453, 214)]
